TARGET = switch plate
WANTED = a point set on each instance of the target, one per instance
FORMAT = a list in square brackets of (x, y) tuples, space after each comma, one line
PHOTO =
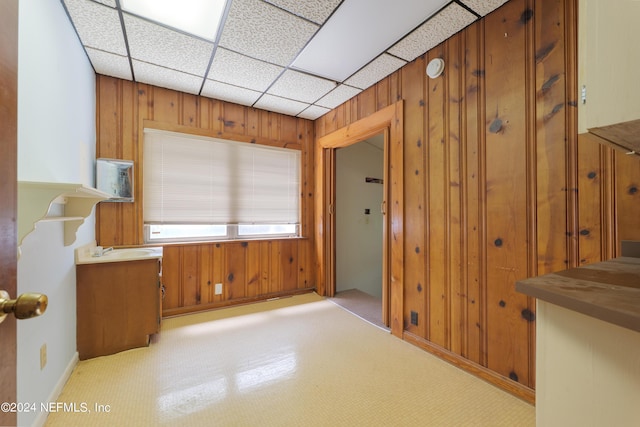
[(218, 289)]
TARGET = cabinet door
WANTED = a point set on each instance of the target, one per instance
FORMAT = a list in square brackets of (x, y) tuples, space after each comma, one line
[(608, 62), (117, 306)]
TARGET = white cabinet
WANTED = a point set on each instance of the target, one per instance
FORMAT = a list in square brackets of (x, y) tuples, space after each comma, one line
[(608, 62)]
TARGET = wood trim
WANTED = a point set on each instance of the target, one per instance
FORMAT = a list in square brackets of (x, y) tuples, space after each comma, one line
[(236, 301), (189, 130), (523, 392), (390, 118)]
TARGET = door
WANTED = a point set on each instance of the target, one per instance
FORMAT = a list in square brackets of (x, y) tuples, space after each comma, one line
[(8, 196)]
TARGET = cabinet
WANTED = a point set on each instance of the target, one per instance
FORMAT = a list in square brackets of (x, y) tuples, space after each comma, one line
[(118, 306), (608, 62)]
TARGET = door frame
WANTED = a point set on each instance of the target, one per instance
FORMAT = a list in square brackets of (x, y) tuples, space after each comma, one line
[(390, 121)]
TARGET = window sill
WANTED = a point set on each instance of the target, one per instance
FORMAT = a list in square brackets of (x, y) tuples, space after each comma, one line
[(213, 242)]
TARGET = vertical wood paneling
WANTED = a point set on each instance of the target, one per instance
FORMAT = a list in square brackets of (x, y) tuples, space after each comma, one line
[(506, 191), (234, 282), (416, 288), (171, 277), (456, 186), (191, 291), (590, 187), (628, 197), (499, 186), (474, 124), (191, 271), (438, 200)]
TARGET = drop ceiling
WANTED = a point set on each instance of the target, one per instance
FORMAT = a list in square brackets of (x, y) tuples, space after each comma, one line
[(296, 57)]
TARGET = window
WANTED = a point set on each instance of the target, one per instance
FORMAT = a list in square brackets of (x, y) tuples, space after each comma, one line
[(199, 188)]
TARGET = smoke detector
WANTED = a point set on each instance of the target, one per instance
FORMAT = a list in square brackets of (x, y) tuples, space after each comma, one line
[(435, 68)]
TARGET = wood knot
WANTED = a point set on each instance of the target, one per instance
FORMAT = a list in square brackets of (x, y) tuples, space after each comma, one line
[(502, 303), (230, 277), (591, 175), (498, 242), (513, 376), (496, 126), (584, 232), (528, 315)]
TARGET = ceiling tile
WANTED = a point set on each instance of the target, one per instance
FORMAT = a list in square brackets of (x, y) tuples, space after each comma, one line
[(301, 87), (158, 45), (260, 30), (483, 7), (313, 112), (280, 105), (378, 69), (109, 64), (98, 26), (337, 96), (239, 70), (449, 21), (230, 93), (111, 3), (313, 10), (164, 77)]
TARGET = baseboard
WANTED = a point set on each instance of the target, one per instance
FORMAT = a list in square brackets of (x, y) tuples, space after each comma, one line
[(57, 390)]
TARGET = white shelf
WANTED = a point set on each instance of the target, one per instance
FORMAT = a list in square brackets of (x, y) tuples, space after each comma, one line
[(36, 198)]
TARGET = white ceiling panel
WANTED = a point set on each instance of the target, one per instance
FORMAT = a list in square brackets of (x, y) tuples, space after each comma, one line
[(313, 112), (378, 69), (358, 32), (337, 96), (98, 26), (263, 45), (301, 87), (230, 93), (439, 28), (483, 7), (280, 105), (313, 10), (260, 30), (165, 77), (111, 3), (239, 70), (109, 64), (158, 45)]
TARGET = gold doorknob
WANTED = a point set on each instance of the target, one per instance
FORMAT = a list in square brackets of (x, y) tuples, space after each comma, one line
[(26, 306)]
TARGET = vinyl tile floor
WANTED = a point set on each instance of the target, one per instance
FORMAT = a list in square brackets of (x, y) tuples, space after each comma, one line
[(299, 361)]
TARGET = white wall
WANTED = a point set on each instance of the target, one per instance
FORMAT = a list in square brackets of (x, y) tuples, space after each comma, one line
[(587, 370), (359, 236), (56, 143)]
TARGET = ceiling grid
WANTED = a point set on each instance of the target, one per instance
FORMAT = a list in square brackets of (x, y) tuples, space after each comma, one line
[(272, 54)]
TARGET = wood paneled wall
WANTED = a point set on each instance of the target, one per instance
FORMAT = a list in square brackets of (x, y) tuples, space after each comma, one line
[(250, 270), (497, 186)]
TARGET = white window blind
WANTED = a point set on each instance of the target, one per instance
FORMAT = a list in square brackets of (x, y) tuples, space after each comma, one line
[(197, 180)]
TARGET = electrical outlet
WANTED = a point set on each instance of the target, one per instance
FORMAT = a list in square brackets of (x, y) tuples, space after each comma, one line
[(218, 289), (43, 356), (414, 318)]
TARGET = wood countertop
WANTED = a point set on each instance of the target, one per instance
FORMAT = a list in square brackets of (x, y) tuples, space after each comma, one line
[(609, 290)]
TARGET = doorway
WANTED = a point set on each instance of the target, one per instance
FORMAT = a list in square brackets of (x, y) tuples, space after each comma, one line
[(359, 194), (388, 121)]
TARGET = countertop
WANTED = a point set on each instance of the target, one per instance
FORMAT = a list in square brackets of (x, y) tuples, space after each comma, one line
[(609, 290), (83, 255)]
